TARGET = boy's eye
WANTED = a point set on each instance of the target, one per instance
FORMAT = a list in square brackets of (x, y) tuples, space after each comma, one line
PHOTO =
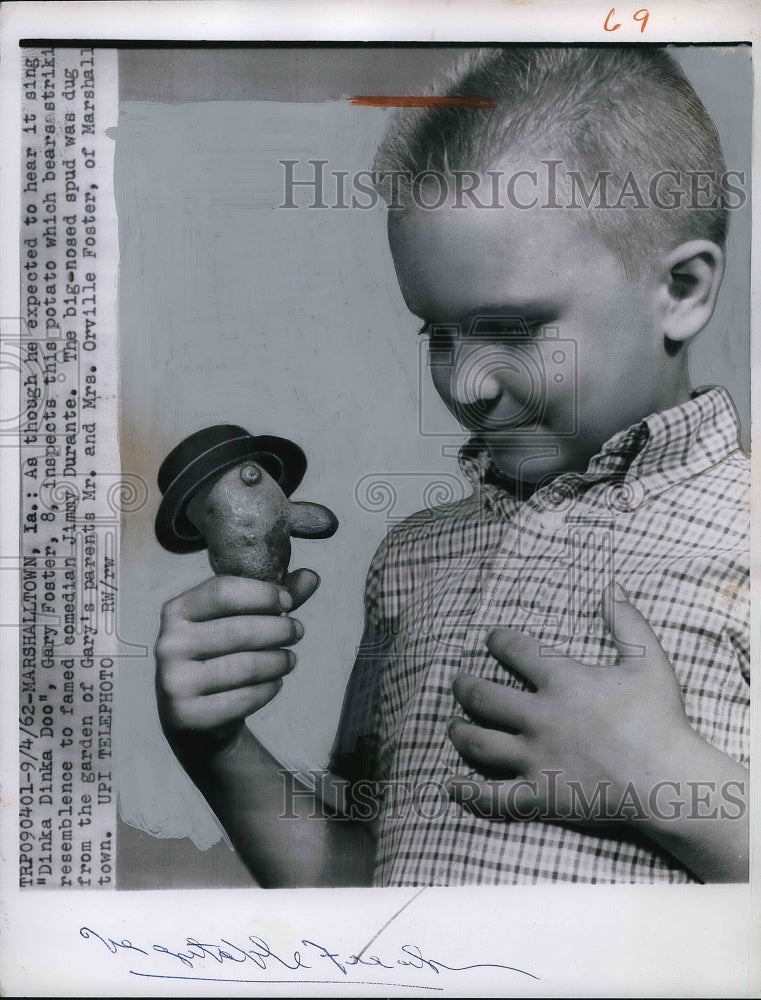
[(499, 327), (441, 334), (441, 340), (484, 328)]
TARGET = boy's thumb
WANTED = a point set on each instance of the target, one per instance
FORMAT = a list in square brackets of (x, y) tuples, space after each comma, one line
[(301, 584), (629, 629)]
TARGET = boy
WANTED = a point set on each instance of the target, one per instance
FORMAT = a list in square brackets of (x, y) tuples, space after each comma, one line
[(553, 679)]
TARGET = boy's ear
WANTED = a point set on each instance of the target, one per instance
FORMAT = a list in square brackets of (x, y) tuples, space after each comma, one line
[(689, 281)]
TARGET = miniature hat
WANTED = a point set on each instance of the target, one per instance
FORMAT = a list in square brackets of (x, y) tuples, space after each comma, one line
[(204, 455)]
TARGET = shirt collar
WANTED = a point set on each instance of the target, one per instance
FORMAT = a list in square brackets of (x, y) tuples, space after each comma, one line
[(647, 458)]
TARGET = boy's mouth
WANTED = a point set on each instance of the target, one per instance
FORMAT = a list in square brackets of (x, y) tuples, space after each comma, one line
[(503, 420)]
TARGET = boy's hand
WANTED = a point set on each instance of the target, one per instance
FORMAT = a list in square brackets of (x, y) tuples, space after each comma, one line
[(221, 655), (604, 729)]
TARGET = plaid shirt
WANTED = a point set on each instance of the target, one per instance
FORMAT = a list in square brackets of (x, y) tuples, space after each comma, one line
[(663, 508)]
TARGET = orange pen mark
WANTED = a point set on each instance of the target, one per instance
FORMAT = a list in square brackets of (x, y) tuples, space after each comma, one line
[(421, 102)]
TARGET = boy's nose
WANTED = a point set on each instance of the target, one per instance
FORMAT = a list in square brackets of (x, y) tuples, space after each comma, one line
[(474, 377)]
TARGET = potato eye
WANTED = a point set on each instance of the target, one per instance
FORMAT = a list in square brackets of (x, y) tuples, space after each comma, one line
[(251, 475)]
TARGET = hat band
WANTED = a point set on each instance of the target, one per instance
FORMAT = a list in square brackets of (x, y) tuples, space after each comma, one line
[(205, 455)]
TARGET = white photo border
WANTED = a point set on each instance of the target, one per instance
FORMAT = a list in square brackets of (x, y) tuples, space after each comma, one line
[(612, 941)]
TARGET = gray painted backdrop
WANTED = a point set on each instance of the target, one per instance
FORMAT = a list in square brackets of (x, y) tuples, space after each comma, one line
[(291, 322)]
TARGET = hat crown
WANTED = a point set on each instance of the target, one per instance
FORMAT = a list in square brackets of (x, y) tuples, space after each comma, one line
[(202, 456), (193, 447)]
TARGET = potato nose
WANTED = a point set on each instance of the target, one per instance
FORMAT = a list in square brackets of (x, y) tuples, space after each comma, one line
[(475, 376)]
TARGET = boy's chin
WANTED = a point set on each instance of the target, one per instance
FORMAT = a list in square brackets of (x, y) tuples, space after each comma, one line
[(530, 463)]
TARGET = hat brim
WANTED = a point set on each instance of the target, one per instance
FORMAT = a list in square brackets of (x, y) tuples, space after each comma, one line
[(282, 459)]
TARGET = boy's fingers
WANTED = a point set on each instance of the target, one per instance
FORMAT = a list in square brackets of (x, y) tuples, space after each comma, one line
[(500, 800), (229, 673), (301, 584), (239, 634), (631, 632), (520, 653), (498, 704), (487, 747), (209, 711), (222, 596)]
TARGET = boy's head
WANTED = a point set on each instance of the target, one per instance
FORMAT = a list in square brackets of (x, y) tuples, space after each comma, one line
[(596, 220), (637, 158)]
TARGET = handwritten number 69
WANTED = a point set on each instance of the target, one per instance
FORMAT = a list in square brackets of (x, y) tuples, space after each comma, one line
[(640, 16)]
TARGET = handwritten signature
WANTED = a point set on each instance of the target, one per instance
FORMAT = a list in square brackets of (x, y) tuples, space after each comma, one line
[(195, 955)]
